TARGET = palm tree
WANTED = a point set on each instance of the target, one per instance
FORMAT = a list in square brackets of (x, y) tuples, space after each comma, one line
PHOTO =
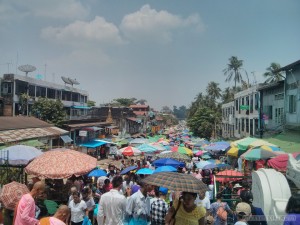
[(213, 90), (233, 70), (273, 74), (228, 95)]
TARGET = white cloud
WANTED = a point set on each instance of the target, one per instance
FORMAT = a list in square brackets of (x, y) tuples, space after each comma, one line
[(54, 9), (149, 23), (97, 30)]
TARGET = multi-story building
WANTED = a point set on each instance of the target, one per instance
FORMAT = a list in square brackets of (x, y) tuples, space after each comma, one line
[(272, 105), (13, 86), (228, 120), (292, 95), (246, 104)]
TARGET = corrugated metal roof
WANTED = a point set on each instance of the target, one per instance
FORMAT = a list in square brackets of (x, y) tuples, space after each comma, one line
[(29, 133), (21, 122)]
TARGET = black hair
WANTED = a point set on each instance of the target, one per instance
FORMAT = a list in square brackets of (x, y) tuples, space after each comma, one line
[(117, 181), (190, 193), (246, 196), (156, 191), (293, 205), (107, 181), (219, 196), (77, 193)]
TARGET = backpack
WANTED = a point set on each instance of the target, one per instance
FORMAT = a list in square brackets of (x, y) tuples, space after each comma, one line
[(221, 212)]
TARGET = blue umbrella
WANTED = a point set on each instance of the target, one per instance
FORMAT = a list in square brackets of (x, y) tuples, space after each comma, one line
[(165, 169), (205, 156), (97, 173), (128, 169), (201, 164), (145, 171), (146, 148), (211, 161), (210, 166), (168, 162), (224, 166)]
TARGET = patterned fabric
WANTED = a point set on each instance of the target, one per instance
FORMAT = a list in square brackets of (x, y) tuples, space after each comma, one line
[(60, 164), (214, 208), (177, 182), (189, 218), (158, 211), (12, 193)]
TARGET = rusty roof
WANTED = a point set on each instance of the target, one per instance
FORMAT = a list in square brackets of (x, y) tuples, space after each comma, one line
[(21, 122)]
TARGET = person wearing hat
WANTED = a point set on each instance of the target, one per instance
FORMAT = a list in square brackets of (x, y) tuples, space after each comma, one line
[(159, 207), (243, 212)]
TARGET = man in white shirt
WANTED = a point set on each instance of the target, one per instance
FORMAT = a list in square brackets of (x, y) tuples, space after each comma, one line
[(112, 205), (202, 200)]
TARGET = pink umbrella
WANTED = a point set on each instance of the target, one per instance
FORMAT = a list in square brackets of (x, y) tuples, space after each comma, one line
[(199, 153), (61, 163)]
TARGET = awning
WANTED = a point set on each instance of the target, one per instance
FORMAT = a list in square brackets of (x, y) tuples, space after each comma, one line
[(112, 127), (66, 138), (93, 144), (80, 107), (92, 128)]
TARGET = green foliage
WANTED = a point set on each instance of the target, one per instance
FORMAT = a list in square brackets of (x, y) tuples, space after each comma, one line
[(51, 111), (180, 112), (91, 103), (202, 123), (124, 101), (273, 74)]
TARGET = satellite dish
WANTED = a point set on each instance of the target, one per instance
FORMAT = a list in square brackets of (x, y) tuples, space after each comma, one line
[(74, 81), (66, 80), (27, 68)]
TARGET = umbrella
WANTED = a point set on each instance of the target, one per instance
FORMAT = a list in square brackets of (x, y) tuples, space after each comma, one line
[(217, 146), (233, 151), (128, 169), (210, 166), (199, 153), (165, 169), (130, 151), (223, 166), (12, 193), (270, 148), (201, 164), (205, 157), (21, 154), (182, 150), (139, 141), (157, 146), (168, 162), (60, 164), (146, 148), (176, 182), (228, 173), (257, 154), (97, 173), (245, 143), (145, 171), (174, 155)]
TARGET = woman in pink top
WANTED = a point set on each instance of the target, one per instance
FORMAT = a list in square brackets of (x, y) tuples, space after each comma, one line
[(25, 214)]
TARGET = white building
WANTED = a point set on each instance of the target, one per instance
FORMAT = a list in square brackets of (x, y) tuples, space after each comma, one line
[(228, 120)]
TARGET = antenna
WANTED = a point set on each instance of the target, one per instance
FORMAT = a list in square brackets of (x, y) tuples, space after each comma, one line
[(27, 68), (74, 81)]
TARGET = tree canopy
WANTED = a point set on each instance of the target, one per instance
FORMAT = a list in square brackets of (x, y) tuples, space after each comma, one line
[(124, 101), (273, 74), (233, 70), (51, 111)]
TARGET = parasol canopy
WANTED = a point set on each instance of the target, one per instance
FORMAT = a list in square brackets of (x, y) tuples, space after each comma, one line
[(245, 143), (145, 171), (97, 173), (20, 154), (165, 169), (280, 162), (202, 164), (130, 151), (12, 193), (229, 173), (257, 154), (128, 169), (168, 162), (174, 155), (61, 163), (176, 182), (146, 148)]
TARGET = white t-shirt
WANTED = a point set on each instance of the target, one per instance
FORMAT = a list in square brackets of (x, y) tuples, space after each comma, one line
[(77, 211), (205, 202), (240, 223)]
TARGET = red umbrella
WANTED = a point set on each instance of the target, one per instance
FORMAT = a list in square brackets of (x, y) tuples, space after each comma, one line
[(231, 175), (12, 193), (61, 163), (280, 162), (130, 151)]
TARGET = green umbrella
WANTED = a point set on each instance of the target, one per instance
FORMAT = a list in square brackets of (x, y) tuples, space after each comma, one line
[(257, 154), (174, 155)]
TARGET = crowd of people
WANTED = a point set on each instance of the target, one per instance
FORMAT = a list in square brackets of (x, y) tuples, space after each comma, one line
[(126, 199)]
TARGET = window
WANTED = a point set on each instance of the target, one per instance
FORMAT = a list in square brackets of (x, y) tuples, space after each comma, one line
[(270, 112), (51, 93), (6, 88), (243, 125), (40, 91), (292, 103), (31, 90), (256, 101), (247, 125), (279, 96), (236, 105), (236, 124)]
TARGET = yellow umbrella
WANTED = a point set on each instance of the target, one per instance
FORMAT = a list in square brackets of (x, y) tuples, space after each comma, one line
[(258, 143), (233, 151)]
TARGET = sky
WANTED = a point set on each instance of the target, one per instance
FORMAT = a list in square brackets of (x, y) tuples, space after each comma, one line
[(163, 51)]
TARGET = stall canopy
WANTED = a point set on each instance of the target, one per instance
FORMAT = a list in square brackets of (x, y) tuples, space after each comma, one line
[(66, 138), (93, 144)]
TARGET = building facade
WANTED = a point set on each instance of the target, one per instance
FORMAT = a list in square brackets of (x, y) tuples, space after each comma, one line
[(14, 86), (228, 113)]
